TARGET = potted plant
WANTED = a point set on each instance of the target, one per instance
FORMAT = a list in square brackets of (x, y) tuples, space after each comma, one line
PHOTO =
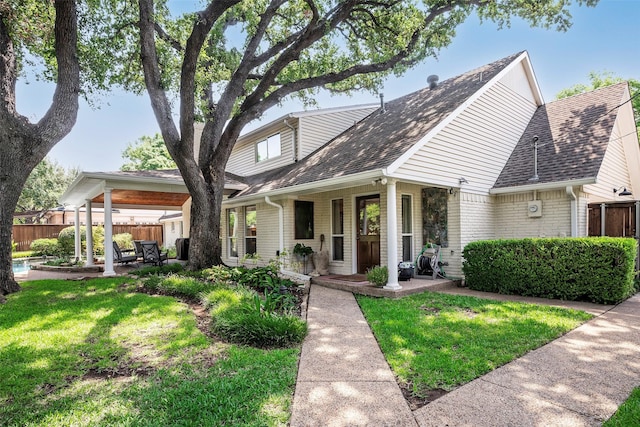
[(302, 251)]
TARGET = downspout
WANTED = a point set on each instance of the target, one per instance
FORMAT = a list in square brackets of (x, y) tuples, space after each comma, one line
[(294, 138), (268, 201), (574, 211)]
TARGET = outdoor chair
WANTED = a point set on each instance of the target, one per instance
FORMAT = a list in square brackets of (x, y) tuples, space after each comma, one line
[(121, 256), (151, 253)]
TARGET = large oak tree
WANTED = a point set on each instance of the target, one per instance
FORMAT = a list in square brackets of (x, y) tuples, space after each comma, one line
[(24, 144), (240, 58)]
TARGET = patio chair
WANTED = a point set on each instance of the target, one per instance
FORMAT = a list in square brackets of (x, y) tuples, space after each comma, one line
[(151, 253), (121, 256)]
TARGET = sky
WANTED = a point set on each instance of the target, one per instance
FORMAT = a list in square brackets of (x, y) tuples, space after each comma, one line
[(601, 39)]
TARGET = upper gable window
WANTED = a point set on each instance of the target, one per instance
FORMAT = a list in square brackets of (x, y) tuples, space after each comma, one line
[(268, 148)]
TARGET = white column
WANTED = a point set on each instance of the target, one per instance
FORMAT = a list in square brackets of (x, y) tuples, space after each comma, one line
[(78, 238), (89, 232), (108, 235), (392, 237)]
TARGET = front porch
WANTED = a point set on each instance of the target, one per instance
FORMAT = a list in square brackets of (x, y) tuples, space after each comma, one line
[(358, 284)]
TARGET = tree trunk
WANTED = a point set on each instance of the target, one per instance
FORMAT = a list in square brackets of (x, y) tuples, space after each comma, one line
[(13, 175), (22, 144), (205, 248)]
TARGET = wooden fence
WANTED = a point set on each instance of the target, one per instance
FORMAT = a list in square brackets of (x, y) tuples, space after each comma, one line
[(23, 235), (619, 219)]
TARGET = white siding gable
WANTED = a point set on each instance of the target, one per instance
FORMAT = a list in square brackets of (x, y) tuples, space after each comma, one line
[(317, 130), (243, 156), (476, 143), (312, 130), (621, 164)]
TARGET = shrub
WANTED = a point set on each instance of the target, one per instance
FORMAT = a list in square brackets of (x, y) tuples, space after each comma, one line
[(124, 240), (240, 316), (22, 254), (67, 240), (172, 284), (48, 247), (596, 269), (156, 270), (14, 246), (378, 275), (248, 326)]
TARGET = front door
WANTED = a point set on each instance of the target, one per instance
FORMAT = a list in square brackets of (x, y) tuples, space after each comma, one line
[(368, 226)]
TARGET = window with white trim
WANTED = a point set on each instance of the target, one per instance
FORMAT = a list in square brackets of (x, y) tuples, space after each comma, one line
[(268, 148), (337, 229), (232, 233), (250, 230), (407, 229)]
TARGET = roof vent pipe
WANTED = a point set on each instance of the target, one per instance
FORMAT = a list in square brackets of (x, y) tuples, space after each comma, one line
[(535, 158), (433, 81), (382, 109)]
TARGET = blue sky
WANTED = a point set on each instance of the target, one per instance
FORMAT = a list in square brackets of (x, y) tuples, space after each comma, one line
[(603, 38)]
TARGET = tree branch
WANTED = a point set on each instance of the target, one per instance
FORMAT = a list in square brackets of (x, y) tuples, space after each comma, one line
[(61, 116)]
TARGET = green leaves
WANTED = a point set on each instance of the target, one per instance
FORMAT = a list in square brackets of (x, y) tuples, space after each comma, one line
[(596, 269), (147, 153)]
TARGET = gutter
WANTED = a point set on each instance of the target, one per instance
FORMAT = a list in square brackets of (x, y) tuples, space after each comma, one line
[(574, 210), (268, 201), (544, 186), (362, 178)]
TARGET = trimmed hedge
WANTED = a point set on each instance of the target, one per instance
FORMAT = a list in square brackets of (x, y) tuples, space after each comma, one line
[(596, 269), (49, 247)]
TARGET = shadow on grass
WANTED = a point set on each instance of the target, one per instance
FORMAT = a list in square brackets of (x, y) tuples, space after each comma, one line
[(434, 341), (97, 353)]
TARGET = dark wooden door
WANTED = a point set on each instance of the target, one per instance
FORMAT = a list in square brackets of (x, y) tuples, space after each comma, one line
[(368, 226)]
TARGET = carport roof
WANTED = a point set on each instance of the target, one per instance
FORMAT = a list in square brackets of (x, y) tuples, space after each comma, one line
[(159, 189)]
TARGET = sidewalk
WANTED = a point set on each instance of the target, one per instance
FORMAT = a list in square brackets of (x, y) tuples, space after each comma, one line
[(579, 379), (343, 378)]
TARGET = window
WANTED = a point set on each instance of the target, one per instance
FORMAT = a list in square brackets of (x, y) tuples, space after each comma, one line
[(303, 220), (407, 229), (337, 229), (232, 232), (268, 148), (250, 230)]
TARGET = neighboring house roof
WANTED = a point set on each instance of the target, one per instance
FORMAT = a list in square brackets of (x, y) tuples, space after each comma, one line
[(378, 140), (573, 135)]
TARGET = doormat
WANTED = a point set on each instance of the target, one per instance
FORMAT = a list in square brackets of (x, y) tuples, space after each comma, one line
[(350, 278)]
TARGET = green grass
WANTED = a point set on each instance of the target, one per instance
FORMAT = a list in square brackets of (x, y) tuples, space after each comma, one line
[(97, 353), (628, 414), (436, 341)]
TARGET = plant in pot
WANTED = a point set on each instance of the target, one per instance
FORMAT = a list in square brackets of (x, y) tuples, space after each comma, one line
[(378, 275), (302, 251)]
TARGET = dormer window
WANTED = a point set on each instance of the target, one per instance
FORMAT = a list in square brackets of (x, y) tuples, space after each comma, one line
[(268, 148)]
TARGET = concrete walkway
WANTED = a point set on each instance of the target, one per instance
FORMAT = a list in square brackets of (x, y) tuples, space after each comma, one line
[(579, 379), (343, 378)]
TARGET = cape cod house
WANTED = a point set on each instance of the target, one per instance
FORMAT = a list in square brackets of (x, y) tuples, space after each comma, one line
[(477, 156)]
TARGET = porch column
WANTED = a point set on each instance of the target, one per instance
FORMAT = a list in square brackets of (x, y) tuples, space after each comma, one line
[(89, 232), (108, 235), (392, 237), (78, 238)]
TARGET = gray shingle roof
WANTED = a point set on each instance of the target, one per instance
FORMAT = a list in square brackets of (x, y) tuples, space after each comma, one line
[(382, 137), (573, 136)]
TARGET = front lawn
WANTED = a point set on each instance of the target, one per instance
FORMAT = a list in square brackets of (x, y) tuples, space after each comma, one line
[(436, 342), (97, 352), (628, 414)]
